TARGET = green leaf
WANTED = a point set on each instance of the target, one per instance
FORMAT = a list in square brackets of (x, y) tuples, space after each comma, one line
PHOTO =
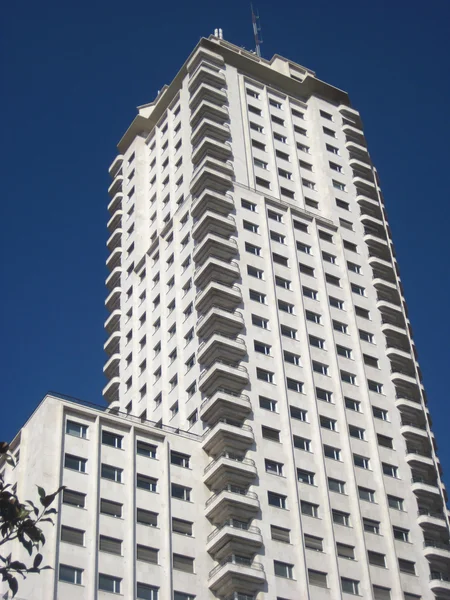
[(41, 493)]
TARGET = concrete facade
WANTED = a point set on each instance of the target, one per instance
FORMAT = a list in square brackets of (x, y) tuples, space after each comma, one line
[(258, 327)]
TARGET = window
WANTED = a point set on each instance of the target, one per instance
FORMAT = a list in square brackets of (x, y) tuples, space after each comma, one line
[(352, 404), (401, 534), (302, 443), (329, 132), (357, 289), (309, 509), (257, 296), (273, 467), (288, 332), (181, 492), (275, 103), (371, 526), (332, 452), (350, 246), (312, 316), (109, 544), (309, 293), (362, 312), (146, 483), (294, 385), (193, 418), (304, 476), (300, 226), (366, 336), (264, 375), (298, 413), (147, 554), (306, 269), (181, 526), (73, 498), (183, 596), (251, 249), (305, 165), (275, 216), (146, 592), (345, 551), (254, 272), (316, 342), (297, 113), (72, 535), (280, 138), (338, 326), (283, 569), (260, 163), (70, 574), (179, 459), (108, 583), (328, 423), (293, 359), (380, 413), (319, 367), (255, 127), (336, 303), (361, 461), (112, 439), (288, 193), (343, 351), (332, 280), (270, 434), (313, 543), (250, 226), (407, 566), (110, 508), (277, 237), (383, 593), (366, 494), (390, 470), (254, 110), (303, 147), (75, 463), (76, 429), (336, 485), (147, 517), (280, 259), (260, 322), (385, 441), (374, 386), (350, 586), (262, 182), (277, 120), (326, 115), (252, 93), (395, 502), (286, 307), (356, 432), (340, 518), (308, 184), (277, 500), (317, 578), (258, 145), (348, 377)]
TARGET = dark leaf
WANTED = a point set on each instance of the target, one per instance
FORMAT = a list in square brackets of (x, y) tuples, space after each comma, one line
[(47, 500), (17, 565), (13, 585), (27, 544), (37, 560), (41, 493), (50, 511)]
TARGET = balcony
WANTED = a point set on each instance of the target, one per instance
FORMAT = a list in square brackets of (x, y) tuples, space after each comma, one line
[(236, 573), (209, 93), (212, 201), (223, 405), (204, 55), (425, 488), (233, 536), (403, 379), (414, 431), (354, 134), (351, 114), (398, 354), (420, 459), (116, 203), (232, 502), (112, 301), (214, 245), (392, 330), (212, 148), (218, 320), (115, 221), (375, 223), (408, 405), (223, 375), (227, 434), (209, 128), (377, 246), (209, 110), (115, 165), (211, 222), (220, 347), (212, 174), (206, 74), (112, 323), (116, 185), (113, 279), (229, 469), (432, 520), (111, 368), (217, 294), (440, 585), (215, 269), (112, 344), (384, 267), (111, 390), (115, 240), (114, 259), (354, 148)]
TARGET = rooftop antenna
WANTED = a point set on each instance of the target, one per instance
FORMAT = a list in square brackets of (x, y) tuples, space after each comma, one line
[(256, 31)]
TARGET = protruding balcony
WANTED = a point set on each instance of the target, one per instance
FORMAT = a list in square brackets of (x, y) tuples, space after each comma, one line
[(112, 344), (367, 201), (440, 584), (115, 240), (403, 379), (211, 222), (354, 148), (433, 521), (232, 502), (213, 174), (220, 347), (350, 114), (392, 330), (213, 201), (206, 74), (115, 221), (420, 458), (112, 323), (210, 93), (215, 269), (409, 405), (212, 148), (225, 405), (203, 55), (209, 110), (234, 536), (115, 165), (216, 246), (114, 259), (218, 320), (217, 294), (220, 375), (111, 390), (398, 354), (112, 301), (116, 203), (113, 279), (236, 573), (111, 368), (229, 469), (354, 134), (378, 246), (225, 435), (116, 185), (212, 129), (414, 430), (384, 267), (374, 223), (425, 488)]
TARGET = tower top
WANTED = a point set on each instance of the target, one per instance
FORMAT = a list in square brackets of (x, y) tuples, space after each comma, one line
[(256, 31)]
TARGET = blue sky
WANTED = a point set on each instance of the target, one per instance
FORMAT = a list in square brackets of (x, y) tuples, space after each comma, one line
[(74, 73)]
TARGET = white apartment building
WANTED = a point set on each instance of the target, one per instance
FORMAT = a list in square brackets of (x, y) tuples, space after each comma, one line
[(267, 434)]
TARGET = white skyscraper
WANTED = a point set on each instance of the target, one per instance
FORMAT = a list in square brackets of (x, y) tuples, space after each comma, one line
[(267, 435)]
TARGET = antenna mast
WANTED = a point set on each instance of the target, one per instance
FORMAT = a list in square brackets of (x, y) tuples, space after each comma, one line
[(256, 31)]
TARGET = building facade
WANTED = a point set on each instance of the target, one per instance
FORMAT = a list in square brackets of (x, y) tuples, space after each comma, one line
[(267, 434)]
